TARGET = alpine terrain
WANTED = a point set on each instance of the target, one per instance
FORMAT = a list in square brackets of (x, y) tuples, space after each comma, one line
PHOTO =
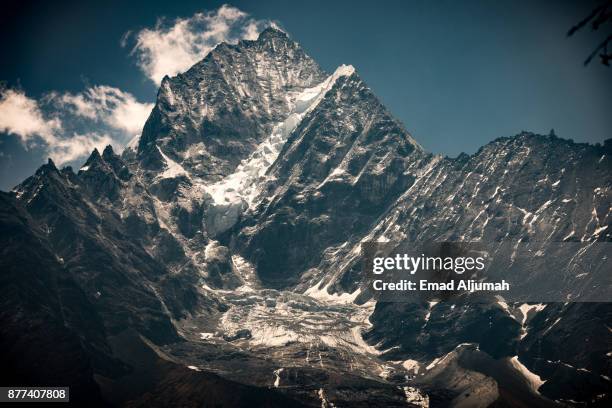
[(217, 259)]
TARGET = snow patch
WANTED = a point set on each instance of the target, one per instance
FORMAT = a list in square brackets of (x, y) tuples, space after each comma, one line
[(244, 183), (600, 230), (324, 402), (412, 366), (277, 377), (433, 363), (572, 232), (534, 380), (414, 397), (322, 294), (360, 342), (526, 308), (173, 169), (431, 305)]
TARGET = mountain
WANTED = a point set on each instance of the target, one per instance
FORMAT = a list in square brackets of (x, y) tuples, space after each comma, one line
[(218, 258), (50, 331), (212, 116), (339, 169)]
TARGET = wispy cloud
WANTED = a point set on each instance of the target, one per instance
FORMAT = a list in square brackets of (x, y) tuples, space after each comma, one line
[(111, 106), (69, 126), (21, 116), (168, 49), (78, 146)]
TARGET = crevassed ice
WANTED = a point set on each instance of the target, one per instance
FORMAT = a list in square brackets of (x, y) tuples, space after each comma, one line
[(242, 184)]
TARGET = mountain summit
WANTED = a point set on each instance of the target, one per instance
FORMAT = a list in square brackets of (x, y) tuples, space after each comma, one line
[(211, 117)]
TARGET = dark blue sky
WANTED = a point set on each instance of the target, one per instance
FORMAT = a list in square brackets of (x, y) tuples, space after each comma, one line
[(458, 74)]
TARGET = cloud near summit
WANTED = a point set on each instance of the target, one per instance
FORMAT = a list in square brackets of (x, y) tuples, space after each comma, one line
[(69, 126), (171, 48), (111, 106)]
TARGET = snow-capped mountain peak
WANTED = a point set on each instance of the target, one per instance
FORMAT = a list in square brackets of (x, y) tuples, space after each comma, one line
[(244, 184)]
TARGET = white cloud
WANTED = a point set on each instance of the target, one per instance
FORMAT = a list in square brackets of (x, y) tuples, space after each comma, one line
[(109, 116), (171, 49), (21, 116), (78, 146), (112, 106), (251, 31), (70, 125)]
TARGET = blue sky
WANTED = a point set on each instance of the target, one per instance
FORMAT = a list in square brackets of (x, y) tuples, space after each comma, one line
[(458, 74)]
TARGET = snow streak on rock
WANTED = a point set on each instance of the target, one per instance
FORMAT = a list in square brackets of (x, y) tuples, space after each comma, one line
[(534, 380), (242, 185)]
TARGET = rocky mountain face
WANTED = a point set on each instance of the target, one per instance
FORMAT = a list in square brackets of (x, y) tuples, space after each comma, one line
[(344, 164), (212, 116), (221, 253), (51, 332)]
